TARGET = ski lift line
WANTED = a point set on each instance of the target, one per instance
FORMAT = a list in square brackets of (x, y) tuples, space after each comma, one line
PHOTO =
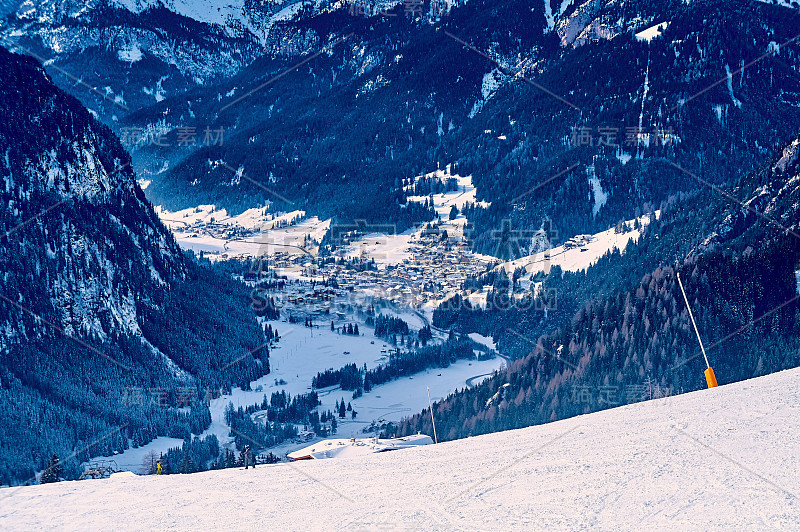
[(433, 421), (680, 283)]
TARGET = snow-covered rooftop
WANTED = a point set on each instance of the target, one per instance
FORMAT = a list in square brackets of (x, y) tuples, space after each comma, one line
[(346, 448)]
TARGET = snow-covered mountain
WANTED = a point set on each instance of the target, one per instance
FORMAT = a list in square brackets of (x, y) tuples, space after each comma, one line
[(88, 240), (119, 56), (333, 108), (91, 285), (236, 17), (720, 459), (610, 108)]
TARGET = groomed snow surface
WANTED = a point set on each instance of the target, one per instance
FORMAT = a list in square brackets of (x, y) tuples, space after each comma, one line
[(720, 459)]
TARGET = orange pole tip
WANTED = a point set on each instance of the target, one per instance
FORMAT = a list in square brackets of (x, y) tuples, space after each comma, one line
[(711, 379)]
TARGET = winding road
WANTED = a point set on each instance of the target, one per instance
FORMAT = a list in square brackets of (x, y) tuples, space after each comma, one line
[(469, 382)]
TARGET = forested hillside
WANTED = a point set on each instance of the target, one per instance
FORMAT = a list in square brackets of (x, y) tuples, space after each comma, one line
[(96, 299), (553, 119), (597, 120), (118, 56), (741, 281)]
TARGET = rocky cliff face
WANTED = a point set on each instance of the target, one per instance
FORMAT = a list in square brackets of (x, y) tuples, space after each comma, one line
[(82, 245), (96, 298)]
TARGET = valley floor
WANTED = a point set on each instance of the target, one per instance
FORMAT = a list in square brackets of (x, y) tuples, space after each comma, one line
[(721, 459)]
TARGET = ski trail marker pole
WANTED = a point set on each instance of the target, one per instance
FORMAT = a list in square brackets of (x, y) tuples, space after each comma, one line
[(711, 379), (435, 439)]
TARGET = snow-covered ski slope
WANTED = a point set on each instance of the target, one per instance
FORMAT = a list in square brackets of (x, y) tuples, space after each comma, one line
[(720, 459)]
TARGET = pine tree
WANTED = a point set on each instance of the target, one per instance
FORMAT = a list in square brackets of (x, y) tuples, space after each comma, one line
[(187, 466), (342, 409), (52, 472), (230, 459)]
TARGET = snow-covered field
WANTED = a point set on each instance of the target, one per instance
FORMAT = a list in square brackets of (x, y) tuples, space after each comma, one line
[(253, 233), (404, 397), (652, 32), (579, 257), (572, 259), (720, 459), (302, 352), (133, 459), (443, 202), (295, 361)]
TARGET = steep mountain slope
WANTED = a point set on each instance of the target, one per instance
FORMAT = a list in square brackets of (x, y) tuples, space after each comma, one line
[(720, 459), (95, 295), (383, 98), (714, 93), (311, 133), (57, 158)]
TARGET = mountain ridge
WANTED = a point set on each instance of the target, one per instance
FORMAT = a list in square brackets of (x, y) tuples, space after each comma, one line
[(89, 276)]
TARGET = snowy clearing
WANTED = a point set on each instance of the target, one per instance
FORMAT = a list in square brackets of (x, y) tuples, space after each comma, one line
[(578, 254), (721, 459), (302, 352), (255, 232), (652, 32), (132, 459)]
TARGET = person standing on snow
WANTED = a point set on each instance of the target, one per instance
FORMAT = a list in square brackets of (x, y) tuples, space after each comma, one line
[(249, 459)]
